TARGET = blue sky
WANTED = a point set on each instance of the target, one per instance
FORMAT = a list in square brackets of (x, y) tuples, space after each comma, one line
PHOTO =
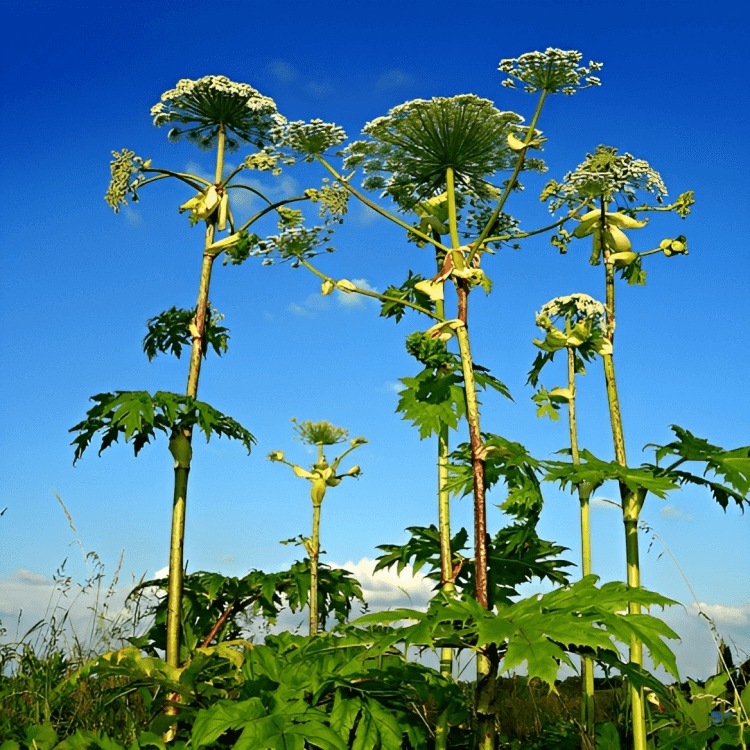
[(78, 284)]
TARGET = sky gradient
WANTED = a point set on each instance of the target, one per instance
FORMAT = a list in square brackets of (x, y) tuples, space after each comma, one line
[(78, 283)]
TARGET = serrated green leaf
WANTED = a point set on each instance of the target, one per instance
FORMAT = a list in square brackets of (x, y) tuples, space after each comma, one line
[(212, 722)]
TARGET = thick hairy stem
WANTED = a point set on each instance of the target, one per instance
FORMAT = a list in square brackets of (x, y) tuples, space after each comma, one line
[(446, 557), (631, 506), (488, 661), (584, 493), (314, 555), (174, 600)]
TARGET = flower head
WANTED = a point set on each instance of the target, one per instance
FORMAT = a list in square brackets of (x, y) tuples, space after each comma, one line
[(577, 306), (585, 325), (553, 71), (311, 138), (408, 152), (126, 170), (319, 433), (606, 174), (213, 102)]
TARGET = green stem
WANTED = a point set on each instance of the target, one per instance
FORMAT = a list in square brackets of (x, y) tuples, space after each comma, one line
[(174, 595), (375, 207), (452, 215), (447, 579), (174, 600), (314, 555), (541, 230), (509, 185), (369, 293), (631, 501), (584, 493), (486, 662)]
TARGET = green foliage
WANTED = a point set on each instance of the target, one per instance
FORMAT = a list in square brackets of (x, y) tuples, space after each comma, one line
[(137, 415), (408, 292), (506, 460), (215, 607), (733, 466), (169, 331), (516, 555), (436, 396), (542, 630), (595, 472)]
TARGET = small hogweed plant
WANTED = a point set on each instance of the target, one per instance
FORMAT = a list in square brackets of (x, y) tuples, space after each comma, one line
[(446, 171), (322, 475)]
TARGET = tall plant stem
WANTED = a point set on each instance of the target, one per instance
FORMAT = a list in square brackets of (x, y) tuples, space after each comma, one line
[(314, 551), (174, 596), (584, 493), (511, 182), (486, 662), (631, 507)]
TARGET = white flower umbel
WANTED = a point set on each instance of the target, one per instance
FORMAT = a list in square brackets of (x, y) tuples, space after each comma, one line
[(581, 304), (606, 174), (207, 104), (312, 138), (553, 71), (408, 151)]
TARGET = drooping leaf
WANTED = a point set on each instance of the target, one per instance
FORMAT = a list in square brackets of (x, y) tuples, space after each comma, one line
[(408, 292), (170, 331), (733, 466), (596, 472), (137, 415)]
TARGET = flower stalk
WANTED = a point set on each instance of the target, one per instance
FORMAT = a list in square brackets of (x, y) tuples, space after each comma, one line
[(322, 475)]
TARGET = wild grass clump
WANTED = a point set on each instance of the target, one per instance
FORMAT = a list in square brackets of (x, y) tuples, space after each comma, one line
[(36, 666)]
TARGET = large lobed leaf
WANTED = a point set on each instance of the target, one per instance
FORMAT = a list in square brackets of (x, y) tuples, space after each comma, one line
[(137, 415)]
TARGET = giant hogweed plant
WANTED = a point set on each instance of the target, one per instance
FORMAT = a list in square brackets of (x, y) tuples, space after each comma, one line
[(322, 475), (436, 160), (217, 115), (613, 182)]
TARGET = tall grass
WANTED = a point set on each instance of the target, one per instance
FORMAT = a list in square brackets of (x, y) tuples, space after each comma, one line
[(36, 662)]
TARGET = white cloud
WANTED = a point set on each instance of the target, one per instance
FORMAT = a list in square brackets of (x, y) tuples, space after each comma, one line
[(314, 304), (352, 299), (364, 215), (670, 511), (723, 614), (394, 79), (389, 387), (282, 70), (387, 589), (27, 598)]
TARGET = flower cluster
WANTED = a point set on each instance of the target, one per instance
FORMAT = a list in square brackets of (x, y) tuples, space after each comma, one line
[(263, 161), (333, 199), (605, 174), (409, 151), (311, 138), (581, 306), (319, 433), (292, 243), (585, 329), (127, 175), (552, 71), (213, 102)]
